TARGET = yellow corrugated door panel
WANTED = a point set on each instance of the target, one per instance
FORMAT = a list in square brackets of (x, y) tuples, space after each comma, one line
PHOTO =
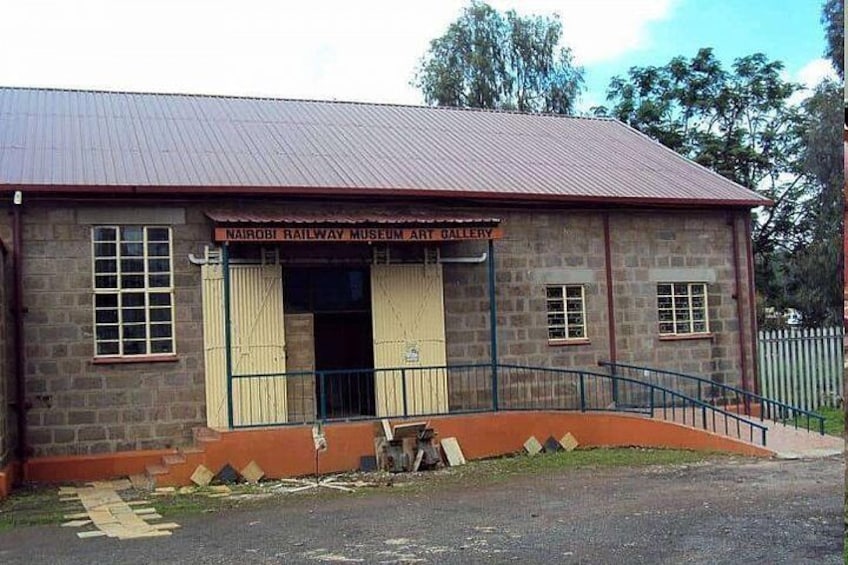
[(212, 290), (408, 319), (258, 341), (258, 344)]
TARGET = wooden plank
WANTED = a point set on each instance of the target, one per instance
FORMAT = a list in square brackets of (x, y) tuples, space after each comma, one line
[(411, 430), (419, 457), (387, 430), (453, 453)]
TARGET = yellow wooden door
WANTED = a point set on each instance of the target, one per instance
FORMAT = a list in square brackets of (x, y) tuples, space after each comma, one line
[(408, 318), (258, 345)]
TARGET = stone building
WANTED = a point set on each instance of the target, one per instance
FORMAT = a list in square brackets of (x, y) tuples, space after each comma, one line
[(363, 242)]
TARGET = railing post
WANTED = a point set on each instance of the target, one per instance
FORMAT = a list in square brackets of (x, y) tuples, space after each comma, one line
[(322, 384), (403, 391), (493, 324), (228, 336), (704, 416), (651, 401), (614, 388), (582, 393)]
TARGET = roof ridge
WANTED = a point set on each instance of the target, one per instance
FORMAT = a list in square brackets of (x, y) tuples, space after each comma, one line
[(310, 100)]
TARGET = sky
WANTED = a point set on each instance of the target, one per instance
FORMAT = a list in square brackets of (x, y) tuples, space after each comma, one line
[(366, 50)]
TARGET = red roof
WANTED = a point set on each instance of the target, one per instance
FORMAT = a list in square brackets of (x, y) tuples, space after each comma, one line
[(84, 141)]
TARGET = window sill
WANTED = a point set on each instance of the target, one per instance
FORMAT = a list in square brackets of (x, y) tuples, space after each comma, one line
[(684, 337), (574, 341), (135, 359)]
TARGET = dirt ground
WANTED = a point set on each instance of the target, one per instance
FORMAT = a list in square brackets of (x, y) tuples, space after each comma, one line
[(722, 510)]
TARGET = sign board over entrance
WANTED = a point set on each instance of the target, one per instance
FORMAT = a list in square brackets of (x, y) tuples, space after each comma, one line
[(363, 234)]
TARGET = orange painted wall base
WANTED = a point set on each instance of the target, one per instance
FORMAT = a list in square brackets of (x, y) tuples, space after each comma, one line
[(91, 467), (288, 452)]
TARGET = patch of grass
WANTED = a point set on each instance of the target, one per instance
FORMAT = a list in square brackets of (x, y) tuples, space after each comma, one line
[(834, 421), (31, 506), (599, 457)]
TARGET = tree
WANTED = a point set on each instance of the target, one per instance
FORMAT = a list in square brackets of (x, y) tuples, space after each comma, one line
[(738, 123), (815, 269), (834, 29), (487, 59)]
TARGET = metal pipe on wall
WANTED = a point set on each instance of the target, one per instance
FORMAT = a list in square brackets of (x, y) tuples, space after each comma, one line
[(752, 296), (18, 314), (493, 324), (743, 357), (610, 296)]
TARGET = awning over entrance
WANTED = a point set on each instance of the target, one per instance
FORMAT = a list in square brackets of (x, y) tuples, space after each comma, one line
[(357, 228)]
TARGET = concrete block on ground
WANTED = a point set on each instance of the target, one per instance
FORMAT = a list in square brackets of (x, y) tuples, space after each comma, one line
[(552, 445), (532, 446), (202, 476), (252, 472), (569, 442), (453, 453)]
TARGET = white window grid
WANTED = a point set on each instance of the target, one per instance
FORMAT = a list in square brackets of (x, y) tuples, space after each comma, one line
[(683, 308), (156, 292), (566, 310)]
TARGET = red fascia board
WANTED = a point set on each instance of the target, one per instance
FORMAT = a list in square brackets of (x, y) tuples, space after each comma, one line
[(370, 192)]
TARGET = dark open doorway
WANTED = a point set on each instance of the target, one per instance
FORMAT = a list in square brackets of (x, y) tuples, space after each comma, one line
[(340, 300), (343, 345)]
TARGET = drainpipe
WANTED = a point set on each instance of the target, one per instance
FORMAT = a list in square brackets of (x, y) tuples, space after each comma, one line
[(18, 338), (752, 307), (493, 324), (743, 358), (610, 298)]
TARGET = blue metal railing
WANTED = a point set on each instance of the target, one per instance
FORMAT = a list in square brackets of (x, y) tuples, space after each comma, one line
[(592, 391), (363, 394), (721, 394)]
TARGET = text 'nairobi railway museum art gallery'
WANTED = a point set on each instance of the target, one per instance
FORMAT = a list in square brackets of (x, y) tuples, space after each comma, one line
[(181, 265)]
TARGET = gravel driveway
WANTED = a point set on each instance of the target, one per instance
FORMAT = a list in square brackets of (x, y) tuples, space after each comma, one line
[(717, 511)]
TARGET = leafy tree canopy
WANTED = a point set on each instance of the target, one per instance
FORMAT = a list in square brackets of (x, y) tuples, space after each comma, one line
[(487, 59), (834, 29), (737, 122)]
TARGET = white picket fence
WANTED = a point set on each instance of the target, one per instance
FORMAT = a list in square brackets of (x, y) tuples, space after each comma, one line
[(803, 367)]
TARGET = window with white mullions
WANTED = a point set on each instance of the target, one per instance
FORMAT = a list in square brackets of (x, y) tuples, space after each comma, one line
[(682, 308), (133, 291), (566, 309)]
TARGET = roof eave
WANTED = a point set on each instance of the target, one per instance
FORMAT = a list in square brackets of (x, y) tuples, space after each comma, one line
[(412, 193)]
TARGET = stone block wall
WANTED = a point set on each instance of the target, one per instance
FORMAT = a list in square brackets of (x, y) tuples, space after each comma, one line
[(80, 406), (77, 405), (300, 356), (568, 247), (8, 416)]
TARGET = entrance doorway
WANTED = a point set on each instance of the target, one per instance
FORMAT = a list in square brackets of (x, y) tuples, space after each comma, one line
[(343, 345), (339, 299)]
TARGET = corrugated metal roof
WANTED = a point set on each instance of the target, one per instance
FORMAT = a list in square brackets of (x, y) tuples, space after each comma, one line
[(343, 218), (85, 140)]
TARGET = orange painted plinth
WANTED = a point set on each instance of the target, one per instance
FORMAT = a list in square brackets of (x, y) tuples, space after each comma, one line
[(8, 477), (91, 467), (289, 451)]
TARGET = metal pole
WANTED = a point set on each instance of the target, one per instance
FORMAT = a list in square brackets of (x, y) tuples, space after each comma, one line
[(403, 390), (493, 325), (228, 337)]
